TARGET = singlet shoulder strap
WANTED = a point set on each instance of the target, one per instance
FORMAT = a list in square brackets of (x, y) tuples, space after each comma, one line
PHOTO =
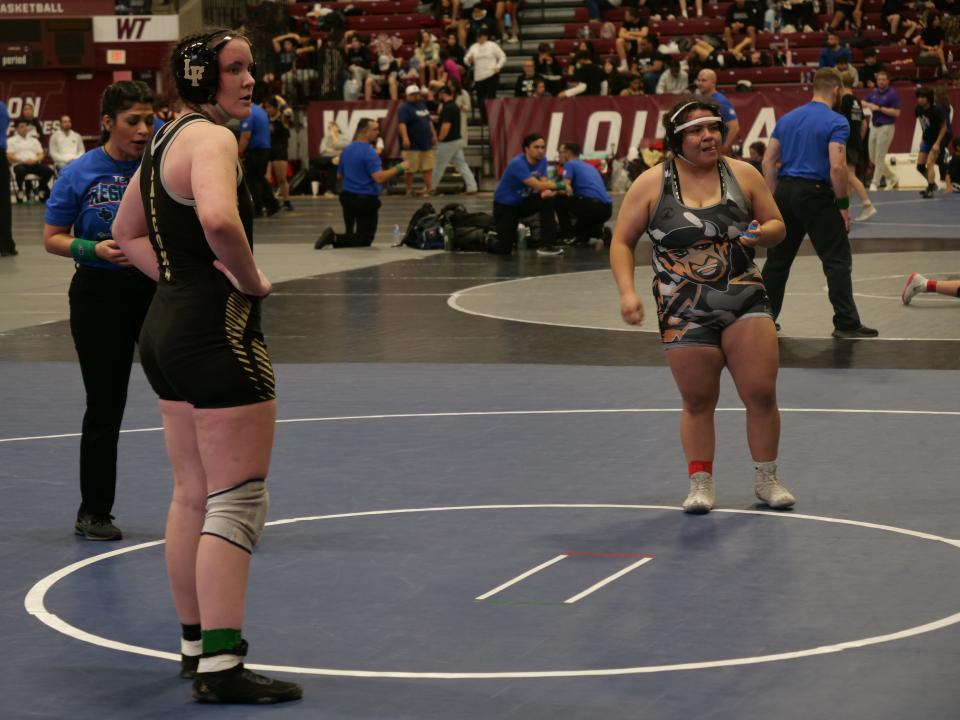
[(161, 141)]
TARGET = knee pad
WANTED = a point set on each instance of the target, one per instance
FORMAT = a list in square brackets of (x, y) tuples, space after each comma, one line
[(238, 514), (922, 169)]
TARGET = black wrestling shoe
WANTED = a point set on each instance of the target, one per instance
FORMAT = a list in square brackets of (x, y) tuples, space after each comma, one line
[(327, 237), (239, 686), (9, 253), (860, 332), (188, 666), (96, 527), (927, 194)]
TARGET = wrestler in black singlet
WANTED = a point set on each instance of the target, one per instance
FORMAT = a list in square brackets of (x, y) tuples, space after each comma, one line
[(704, 277), (201, 340)]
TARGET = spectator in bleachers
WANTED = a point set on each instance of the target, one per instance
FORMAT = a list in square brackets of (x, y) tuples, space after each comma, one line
[(934, 128), (594, 7), (417, 139), (613, 83), (629, 35), (447, 69), (26, 155), (455, 48), (852, 110), (297, 73), (540, 89), (871, 66), (846, 13), (587, 78), (674, 80), (649, 63), (35, 127), (884, 106), (931, 39), (892, 14), (707, 89), (833, 51), (742, 18), (450, 142), (633, 88), (848, 72), (479, 20), (487, 60), (356, 59), (384, 84), (697, 4), (427, 55), (526, 80), (798, 16), (66, 145), (547, 66)]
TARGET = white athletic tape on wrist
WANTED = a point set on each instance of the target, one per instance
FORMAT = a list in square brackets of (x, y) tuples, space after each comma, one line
[(238, 514)]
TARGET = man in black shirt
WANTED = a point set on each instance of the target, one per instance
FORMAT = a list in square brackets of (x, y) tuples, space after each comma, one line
[(527, 81), (628, 37), (546, 66), (450, 143), (871, 66), (479, 18), (650, 64), (587, 77), (743, 17), (934, 130)]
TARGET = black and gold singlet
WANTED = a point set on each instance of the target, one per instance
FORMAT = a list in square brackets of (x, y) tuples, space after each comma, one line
[(704, 277), (201, 340)]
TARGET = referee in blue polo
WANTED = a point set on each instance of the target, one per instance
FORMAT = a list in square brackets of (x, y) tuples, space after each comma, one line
[(810, 188)]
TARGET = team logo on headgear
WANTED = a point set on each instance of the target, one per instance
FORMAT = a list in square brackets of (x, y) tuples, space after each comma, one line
[(193, 73)]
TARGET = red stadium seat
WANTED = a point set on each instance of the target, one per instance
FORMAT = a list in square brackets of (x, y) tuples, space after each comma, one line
[(368, 23), (568, 45), (762, 76)]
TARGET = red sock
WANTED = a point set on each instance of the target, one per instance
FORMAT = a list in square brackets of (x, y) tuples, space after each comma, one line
[(700, 466), (931, 285)]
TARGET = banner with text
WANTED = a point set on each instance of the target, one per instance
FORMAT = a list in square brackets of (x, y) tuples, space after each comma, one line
[(62, 8), (611, 125), (347, 115), (136, 28)]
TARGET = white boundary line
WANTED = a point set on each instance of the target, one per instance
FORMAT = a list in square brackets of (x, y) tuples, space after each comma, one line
[(606, 581), (485, 413), (34, 604), (518, 578)]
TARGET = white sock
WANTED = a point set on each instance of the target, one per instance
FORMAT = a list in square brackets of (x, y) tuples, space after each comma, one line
[(191, 647), (770, 468), (216, 663)]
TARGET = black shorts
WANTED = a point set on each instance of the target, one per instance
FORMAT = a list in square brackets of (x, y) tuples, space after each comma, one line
[(279, 152), (853, 156), (206, 348)]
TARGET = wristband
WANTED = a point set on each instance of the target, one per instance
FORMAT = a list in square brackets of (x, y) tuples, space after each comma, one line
[(843, 202), (561, 185), (82, 249), (398, 168)]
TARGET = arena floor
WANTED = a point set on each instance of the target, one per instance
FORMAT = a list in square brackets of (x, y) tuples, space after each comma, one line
[(474, 498)]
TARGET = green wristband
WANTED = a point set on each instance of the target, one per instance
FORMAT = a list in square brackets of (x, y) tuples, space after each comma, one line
[(83, 249), (561, 185), (843, 202), (399, 168)]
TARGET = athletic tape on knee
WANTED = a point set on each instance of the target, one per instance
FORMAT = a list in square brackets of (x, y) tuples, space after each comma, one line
[(238, 514)]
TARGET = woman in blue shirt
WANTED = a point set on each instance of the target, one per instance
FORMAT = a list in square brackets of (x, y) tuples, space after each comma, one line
[(108, 297)]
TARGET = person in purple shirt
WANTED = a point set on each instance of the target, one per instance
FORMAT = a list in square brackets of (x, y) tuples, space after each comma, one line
[(833, 52), (884, 104)]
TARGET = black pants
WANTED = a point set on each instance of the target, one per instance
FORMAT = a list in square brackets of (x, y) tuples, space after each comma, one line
[(589, 214), (809, 208), (7, 244), (486, 90), (360, 216), (255, 168), (44, 172), (507, 217), (107, 308)]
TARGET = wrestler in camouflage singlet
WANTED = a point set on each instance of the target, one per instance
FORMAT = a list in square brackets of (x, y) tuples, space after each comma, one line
[(704, 278)]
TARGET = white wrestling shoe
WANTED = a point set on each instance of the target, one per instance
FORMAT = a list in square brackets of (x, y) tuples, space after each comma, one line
[(868, 212), (702, 494), (768, 488), (916, 284)]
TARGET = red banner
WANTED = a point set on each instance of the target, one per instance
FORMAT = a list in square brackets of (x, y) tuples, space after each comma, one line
[(347, 115), (611, 125), (58, 8), (54, 93)]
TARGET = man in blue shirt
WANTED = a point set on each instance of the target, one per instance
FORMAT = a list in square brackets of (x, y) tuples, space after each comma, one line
[(363, 175), (255, 151), (585, 198), (707, 89), (810, 188), (833, 52), (417, 138), (524, 190), (8, 248)]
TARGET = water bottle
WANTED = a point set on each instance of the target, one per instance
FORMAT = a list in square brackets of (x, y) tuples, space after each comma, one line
[(447, 230), (522, 233), (397, 240), (507, 22), (753, 229)]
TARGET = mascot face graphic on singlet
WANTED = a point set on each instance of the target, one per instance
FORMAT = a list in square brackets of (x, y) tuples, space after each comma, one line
[(706, 262)]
